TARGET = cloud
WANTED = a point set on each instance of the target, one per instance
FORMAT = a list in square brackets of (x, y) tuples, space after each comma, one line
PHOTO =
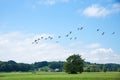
[(38, 3), (115, 8), (98, 11), (51, 2), (18, 46), (101, 55), (94, 45)]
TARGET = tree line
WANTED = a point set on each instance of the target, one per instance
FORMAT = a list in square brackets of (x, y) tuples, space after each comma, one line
[(93, 67), (12, 66), (57, 66)]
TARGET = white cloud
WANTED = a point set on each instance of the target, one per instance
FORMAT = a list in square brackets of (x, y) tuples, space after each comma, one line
[(99, 11), (47, 2), (51, 2), (38, 3), (96, 11), (115, 8), (101, 55), (102, 50), (94, 45), (18, 46)]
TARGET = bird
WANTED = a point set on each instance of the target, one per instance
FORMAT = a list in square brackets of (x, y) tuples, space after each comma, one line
[(45, 38), (81, 28), (70, 32), (59, 36), (103, 33), (51, 38), (57, 41), (38, 39), (75, 38), (35, 41), (98, 29), (71, 38), (42, 37), (67, 35), (113, 33), (32, 42)]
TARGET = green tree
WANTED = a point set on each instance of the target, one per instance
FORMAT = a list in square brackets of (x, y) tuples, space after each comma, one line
[(56, 65), (45, 69), (40, 64), (104, 68), (74, 64), (94, 68), (12, 65)]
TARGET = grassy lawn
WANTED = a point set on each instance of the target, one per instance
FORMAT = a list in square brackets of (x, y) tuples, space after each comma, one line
[(60, 76)]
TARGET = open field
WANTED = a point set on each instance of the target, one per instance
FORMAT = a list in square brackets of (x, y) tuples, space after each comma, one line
[(60, 76)]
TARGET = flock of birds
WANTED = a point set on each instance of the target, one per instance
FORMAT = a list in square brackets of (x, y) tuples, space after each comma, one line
[(36, 41)]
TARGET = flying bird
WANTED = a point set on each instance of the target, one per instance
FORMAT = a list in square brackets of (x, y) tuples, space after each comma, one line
[(98, 29), (45, 38), (57, 41), (70, 32), (35, 41), (81, 28), (38, 39), (103, 33), (71, 38), (42, 37), (67, 35), (75, 38), (59, 36), (113, 33), (51, 38)]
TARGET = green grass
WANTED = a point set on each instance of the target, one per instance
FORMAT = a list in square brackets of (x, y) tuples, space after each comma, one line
[(60, 76)]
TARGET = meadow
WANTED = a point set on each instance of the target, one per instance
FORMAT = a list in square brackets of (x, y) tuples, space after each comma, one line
[(60, 76)]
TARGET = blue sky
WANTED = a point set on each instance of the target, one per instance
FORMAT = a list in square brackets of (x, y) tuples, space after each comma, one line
[(23, 21)]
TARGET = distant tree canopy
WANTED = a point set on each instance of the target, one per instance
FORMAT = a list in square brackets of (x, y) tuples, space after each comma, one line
[(11, 66), (56, 65), (74, 64), (40, 64), (92, 68)]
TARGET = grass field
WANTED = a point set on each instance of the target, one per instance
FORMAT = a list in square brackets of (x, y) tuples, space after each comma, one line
[(60, 76)]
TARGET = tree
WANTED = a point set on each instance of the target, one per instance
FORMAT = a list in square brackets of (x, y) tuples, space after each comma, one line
[(104, 68), (74, 64), (24, 67), (94, 68), (40, 64), (12, 65), (56, 65), (45, 69)]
